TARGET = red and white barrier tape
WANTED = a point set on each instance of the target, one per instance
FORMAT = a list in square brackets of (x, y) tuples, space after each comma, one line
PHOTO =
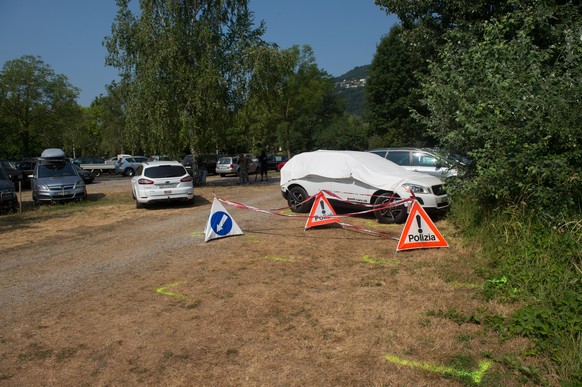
[(375, 207)]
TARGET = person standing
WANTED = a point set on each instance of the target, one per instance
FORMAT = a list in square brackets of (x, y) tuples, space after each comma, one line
[(263, 165), (202, 171), (243, 170)]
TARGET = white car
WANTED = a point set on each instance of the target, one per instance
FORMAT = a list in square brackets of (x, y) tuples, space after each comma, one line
[(419, 160), (158, 181), (359, 178)]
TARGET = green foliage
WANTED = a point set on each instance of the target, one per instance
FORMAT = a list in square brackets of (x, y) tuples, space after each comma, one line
[(540, 266), (184, 67), (38, 109), (392, 90), (511, 104), (346, 133), (295, 94)]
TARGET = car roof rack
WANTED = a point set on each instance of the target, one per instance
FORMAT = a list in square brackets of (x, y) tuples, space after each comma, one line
[(53, 154)]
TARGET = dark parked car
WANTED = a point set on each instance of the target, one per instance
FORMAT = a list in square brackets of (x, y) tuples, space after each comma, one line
[(87, 176), (189, 162), (26, 167), (8, 198), (13, 173), (274, 160)]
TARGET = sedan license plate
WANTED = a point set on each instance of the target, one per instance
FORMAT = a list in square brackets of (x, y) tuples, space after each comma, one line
[(168, 192), (166, 185)]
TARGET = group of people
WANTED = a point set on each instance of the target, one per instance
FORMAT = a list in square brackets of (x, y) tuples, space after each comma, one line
[(244, 162)]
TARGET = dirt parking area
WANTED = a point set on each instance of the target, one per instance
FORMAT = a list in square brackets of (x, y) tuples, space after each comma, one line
[(103, 293)]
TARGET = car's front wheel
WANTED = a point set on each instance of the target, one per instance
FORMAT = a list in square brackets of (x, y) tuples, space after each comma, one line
[(129, 172), (296, 198), (390, 215)]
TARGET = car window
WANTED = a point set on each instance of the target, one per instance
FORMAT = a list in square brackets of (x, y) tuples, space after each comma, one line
[(224, 160), (422, 159), (7, 164), (399, 157), (379, 153), (138, 170), (165, 171), (56, 170)]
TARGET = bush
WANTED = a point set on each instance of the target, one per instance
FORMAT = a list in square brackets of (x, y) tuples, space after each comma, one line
[(528, 261)]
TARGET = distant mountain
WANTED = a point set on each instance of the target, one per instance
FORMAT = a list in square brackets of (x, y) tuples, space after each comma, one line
[(350, 86)]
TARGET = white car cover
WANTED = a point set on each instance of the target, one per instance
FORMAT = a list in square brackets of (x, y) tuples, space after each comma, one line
[(363, 166)]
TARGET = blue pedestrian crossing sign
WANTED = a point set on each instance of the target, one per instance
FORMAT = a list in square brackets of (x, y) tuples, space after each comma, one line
[(220, 223)]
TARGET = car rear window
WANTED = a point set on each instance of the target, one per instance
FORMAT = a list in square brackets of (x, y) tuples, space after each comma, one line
[(165, 171), (225, 160)]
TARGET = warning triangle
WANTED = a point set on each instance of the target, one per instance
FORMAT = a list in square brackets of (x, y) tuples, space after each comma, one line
[(419, 231), (321, 212), (220, 223)]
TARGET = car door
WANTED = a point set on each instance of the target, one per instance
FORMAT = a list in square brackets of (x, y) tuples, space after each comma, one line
[(351, 190)]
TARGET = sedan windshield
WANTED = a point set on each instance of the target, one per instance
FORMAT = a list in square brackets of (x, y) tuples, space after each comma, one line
[(56, 170), (165, 171)]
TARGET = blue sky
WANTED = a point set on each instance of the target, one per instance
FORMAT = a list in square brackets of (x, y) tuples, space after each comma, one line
[(67, 34)]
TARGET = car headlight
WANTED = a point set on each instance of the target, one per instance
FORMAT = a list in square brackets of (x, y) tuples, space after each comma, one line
[(416, 188), (80, 184)]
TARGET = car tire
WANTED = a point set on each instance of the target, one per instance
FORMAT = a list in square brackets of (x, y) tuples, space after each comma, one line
[(222, 174), (393, 215), (297, 195), (139, 205), (129, 172)]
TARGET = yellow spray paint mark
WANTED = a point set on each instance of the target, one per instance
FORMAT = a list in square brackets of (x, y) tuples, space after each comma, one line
[(367, 259), (198, 233), (251, 238), (476, 376), (465, 285), (164, 290), (278, 259)]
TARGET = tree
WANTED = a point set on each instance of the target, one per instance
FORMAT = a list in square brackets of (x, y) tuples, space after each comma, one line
[(107, 120), (393, 90), (345, 132), (38, 108), (507, 93), (184, 66), (294, 91)]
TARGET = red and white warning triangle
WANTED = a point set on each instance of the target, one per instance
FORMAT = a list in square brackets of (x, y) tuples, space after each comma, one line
[(419, 231), (321, 212)]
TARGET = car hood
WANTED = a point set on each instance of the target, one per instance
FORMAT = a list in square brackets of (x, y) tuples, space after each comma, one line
[(363, 166), (6, 184), (64, 180)]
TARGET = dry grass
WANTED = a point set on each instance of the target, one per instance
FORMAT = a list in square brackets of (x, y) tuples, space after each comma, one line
[(276, 306)]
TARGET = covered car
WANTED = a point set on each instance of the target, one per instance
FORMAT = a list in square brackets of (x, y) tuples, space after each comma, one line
[(359, 178)]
